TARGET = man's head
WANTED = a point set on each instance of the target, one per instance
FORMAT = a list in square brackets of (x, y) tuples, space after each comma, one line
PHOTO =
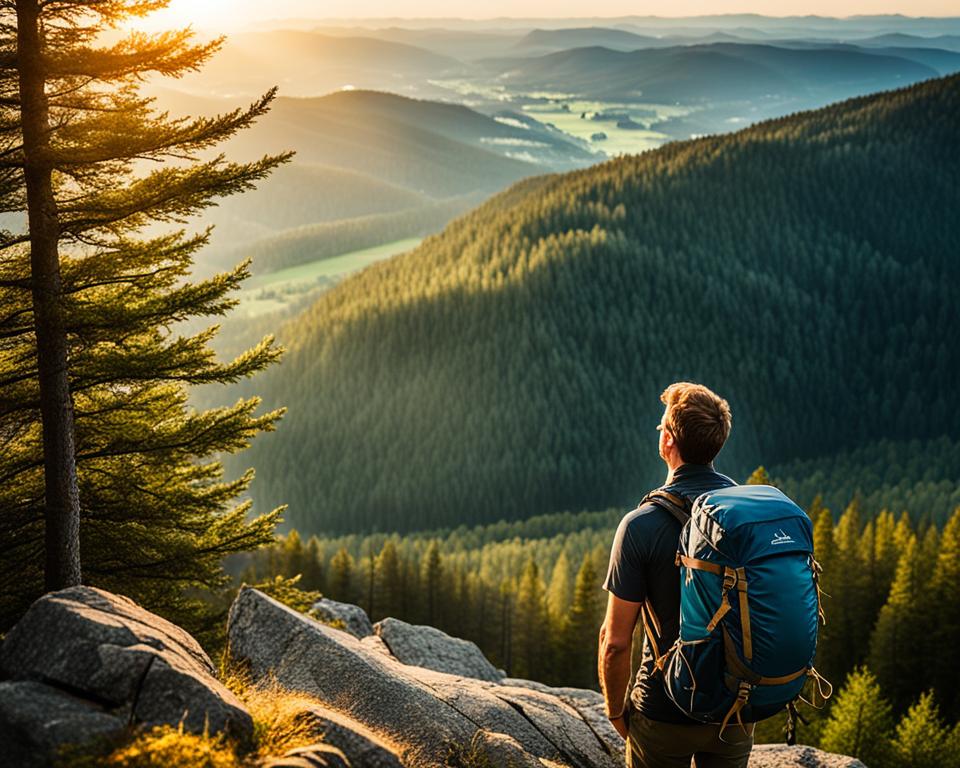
[(695, 424)]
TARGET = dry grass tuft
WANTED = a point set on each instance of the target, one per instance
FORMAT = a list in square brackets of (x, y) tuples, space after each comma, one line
[(162, 747), (281, 722), (280, 716)]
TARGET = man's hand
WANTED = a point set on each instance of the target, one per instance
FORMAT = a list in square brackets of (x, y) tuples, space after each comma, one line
[(620, 724), (616, 640)]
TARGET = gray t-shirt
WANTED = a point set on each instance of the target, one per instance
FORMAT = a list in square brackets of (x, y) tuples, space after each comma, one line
[(643, 568)]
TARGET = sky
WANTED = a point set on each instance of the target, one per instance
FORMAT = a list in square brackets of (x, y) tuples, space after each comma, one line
[(229, 14)]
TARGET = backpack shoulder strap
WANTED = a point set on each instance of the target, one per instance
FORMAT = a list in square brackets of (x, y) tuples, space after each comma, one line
[(678, 506)]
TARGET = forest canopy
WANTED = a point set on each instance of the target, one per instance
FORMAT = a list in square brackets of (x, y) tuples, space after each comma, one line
[(804, 268)]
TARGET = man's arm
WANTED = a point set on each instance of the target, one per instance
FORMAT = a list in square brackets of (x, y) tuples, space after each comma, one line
[(614, 656)]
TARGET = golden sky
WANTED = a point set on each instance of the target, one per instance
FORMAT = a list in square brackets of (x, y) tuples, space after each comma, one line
[(230, 14)]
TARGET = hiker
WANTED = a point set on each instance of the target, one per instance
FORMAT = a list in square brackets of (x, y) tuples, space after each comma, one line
[(643, 578)]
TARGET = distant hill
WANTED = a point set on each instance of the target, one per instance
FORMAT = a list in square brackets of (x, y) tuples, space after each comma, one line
[(900, 40), (429, 147), (944, 62), (804, 267), (310, 64), (542, 40), (459, 44), (711, 73)]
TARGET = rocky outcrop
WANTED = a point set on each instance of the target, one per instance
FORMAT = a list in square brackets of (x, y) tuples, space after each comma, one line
[(352, 617), (83, 664), (781, 756), (431, 648), (36, 720), (422, 713), (103, 662)]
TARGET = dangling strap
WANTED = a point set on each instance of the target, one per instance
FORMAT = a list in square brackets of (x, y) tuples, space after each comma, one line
[(820, 682), (721, 612), (790, 729), (651, 628), (743, 696), (647, 630)]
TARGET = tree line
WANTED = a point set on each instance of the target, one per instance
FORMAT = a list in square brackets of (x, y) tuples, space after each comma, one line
[(534, 605)]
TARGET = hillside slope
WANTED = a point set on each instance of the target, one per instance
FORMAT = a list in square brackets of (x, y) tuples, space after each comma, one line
[(805, 267)]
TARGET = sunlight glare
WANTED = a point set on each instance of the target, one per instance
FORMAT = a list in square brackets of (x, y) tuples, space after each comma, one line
[(215, 15)]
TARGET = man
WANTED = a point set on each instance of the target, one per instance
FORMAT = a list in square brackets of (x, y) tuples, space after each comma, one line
[(644, 583)]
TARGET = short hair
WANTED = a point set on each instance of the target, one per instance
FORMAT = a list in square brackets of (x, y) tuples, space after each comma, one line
[(699, 420)]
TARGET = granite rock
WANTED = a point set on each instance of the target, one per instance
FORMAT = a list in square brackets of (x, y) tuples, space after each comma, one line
[(353, 618), (136, 665), (428, 647)]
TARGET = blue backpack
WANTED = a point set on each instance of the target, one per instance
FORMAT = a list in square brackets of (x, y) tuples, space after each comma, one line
[(749, 606)]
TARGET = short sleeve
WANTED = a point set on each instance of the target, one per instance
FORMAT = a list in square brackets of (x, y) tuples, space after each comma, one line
[(625, 574)]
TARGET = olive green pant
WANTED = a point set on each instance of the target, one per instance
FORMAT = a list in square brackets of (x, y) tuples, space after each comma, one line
[(651, 744)]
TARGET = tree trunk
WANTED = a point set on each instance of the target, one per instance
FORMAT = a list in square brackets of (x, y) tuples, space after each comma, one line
[(61, 496)]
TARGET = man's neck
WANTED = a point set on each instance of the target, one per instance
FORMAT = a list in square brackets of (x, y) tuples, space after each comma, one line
[(672, 471)]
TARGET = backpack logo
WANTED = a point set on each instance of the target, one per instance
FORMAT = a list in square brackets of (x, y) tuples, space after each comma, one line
[(781, 538)]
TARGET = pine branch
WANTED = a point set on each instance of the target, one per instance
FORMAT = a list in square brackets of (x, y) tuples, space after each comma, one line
[(166, 53), (134, 132), (169, 194)]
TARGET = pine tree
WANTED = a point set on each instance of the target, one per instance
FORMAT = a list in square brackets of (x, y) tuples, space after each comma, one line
[(531, 635), (560, 591), (341, 576), (505, 622), (759, 476), (849, 621), (432, 584), (312, 567), (860, 721), (388, 579), (102, 455), (579, 641), (898, 642), (816, 507), (293, 555), (951, 750), (942, 614), (369, 570), (825, 551), (921, 739), (885, 557)]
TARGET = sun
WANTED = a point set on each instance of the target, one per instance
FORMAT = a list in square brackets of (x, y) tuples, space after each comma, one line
[(212, 15)]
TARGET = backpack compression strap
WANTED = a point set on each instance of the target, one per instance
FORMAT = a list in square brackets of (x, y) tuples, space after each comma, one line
[(678, 506)]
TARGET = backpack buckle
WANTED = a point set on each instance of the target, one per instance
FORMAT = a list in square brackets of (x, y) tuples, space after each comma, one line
[(729, 579)]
